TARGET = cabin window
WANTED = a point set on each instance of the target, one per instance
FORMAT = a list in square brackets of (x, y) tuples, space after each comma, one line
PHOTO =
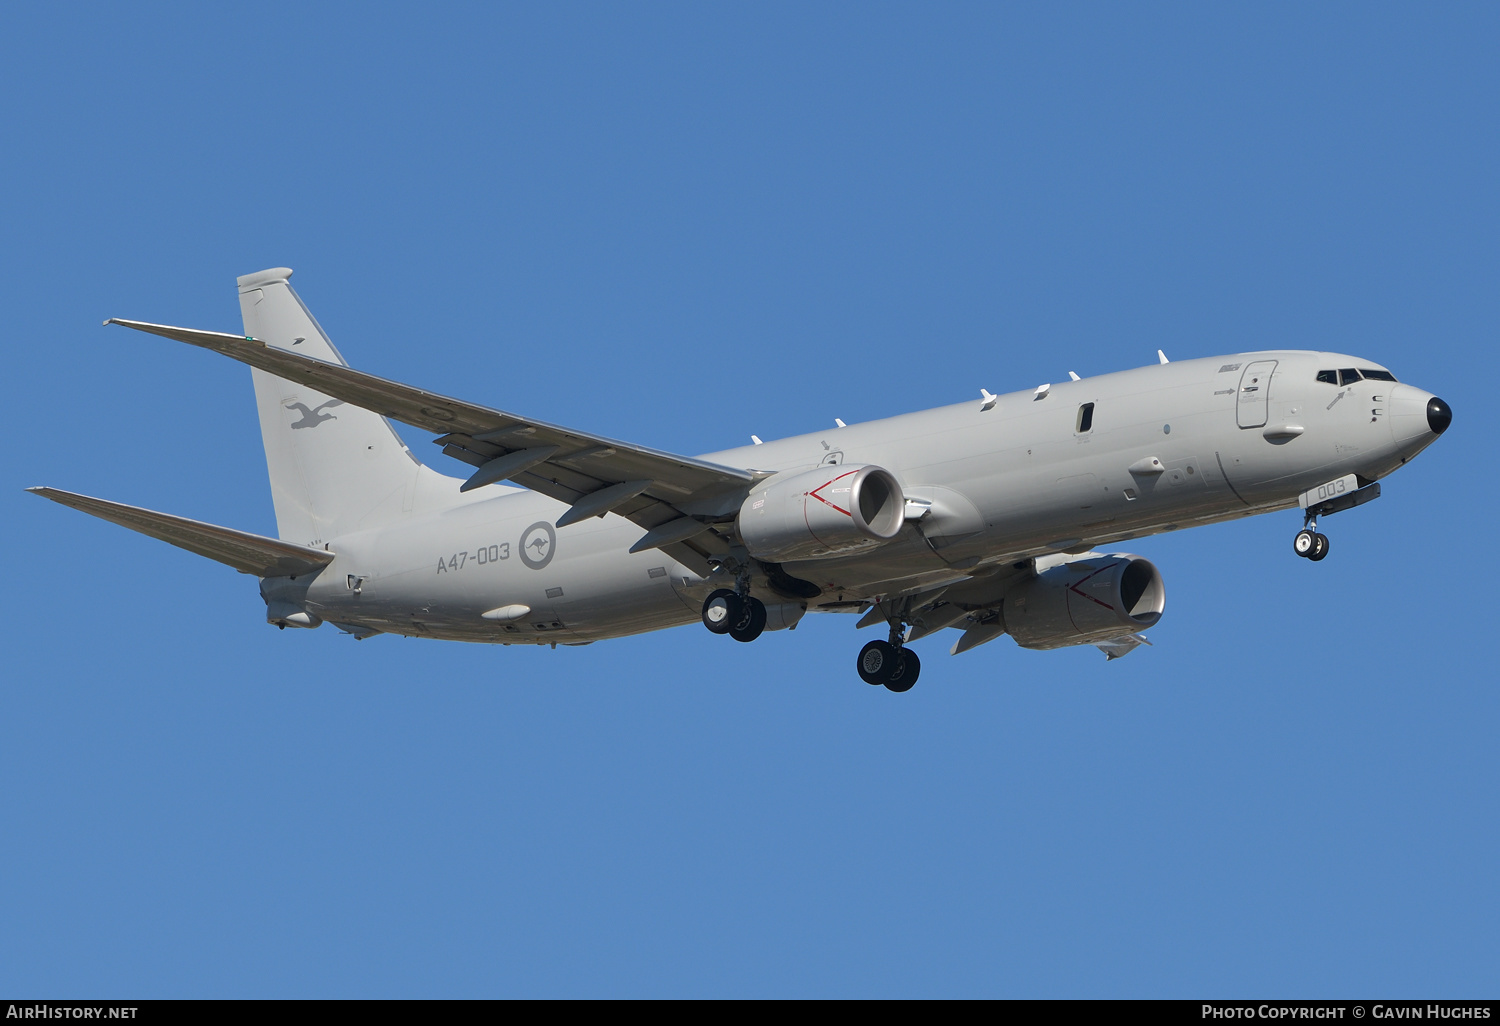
[(1348, 376), (1378, 375), (1085, 418), (1328, 377)]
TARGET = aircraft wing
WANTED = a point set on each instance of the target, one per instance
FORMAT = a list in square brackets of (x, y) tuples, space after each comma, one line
[(247, 553), (659, 491)]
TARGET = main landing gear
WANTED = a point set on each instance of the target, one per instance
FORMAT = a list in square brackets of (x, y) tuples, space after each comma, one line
[(741, 617), (880, 662), (890, 662), (1309, 544)]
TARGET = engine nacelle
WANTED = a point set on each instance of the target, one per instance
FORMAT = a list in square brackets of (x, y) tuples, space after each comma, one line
[(1092, 599), (829, 511)]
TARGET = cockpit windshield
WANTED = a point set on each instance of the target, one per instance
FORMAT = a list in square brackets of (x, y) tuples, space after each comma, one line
[(1348, 375)]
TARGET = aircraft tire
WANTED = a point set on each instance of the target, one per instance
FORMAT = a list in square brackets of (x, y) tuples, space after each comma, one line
[(1320, 547), (1304, 544), (722, 610), (875, 662), (752, 624), (908, 667)]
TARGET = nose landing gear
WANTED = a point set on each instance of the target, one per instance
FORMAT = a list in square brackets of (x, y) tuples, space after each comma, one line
[(1309, 544), (1325, 501)]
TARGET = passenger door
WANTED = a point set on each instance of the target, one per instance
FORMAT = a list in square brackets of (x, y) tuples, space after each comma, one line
[(1255, 394)]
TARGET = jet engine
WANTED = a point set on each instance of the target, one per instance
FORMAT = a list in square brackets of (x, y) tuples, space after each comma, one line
[(828, 511), (1084, 602)]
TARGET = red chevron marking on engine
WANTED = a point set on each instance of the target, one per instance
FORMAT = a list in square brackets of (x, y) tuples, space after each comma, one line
[(814, 494), (1074, 587)]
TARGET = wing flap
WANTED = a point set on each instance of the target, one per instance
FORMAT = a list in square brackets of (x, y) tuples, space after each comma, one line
[(247, 553)]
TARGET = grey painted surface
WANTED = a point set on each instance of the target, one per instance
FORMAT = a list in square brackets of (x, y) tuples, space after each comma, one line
[(990, 486)]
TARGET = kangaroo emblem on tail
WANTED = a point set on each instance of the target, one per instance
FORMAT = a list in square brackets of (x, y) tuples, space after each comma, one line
[(312, 418)]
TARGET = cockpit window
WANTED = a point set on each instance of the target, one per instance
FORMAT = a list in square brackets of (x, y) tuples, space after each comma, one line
[(1349, 376)]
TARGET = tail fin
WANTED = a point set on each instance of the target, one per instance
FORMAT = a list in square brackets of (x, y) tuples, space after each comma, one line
[(334, 468)]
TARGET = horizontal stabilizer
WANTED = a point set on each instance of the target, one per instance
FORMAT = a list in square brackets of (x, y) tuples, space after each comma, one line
[(247, 553)]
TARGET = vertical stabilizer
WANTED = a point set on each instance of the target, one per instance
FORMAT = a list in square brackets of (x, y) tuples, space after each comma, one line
[(335, 468)]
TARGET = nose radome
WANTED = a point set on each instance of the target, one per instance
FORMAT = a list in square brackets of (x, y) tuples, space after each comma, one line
[(1439, 415), (1414, 424)]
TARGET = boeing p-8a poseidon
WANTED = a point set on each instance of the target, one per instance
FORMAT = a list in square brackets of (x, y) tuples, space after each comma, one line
[(981, 517)]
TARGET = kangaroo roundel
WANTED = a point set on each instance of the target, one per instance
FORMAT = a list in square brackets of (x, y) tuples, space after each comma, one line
[(538, 543)]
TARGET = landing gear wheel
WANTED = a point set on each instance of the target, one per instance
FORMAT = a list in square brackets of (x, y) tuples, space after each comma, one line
[(722, 610), (908, 666), (748, 628), (1304, 543), (1320, 547), (875, 662)]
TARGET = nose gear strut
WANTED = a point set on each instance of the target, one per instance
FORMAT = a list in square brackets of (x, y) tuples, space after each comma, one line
[(1309, 544)]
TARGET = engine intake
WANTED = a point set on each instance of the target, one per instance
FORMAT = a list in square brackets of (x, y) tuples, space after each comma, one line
[(828, 511), (1086, 601)]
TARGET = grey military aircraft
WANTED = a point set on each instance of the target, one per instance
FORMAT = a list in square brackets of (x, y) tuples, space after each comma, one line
[(985, 517)]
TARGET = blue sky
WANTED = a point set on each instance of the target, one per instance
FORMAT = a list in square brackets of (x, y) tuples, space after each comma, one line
[(680, 224)]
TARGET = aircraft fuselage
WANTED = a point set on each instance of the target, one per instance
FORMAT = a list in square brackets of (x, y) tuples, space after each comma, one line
[(1085, 464)]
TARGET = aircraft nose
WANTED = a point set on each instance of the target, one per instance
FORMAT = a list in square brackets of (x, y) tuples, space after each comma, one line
[(1439, 415), (1417, 418)]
